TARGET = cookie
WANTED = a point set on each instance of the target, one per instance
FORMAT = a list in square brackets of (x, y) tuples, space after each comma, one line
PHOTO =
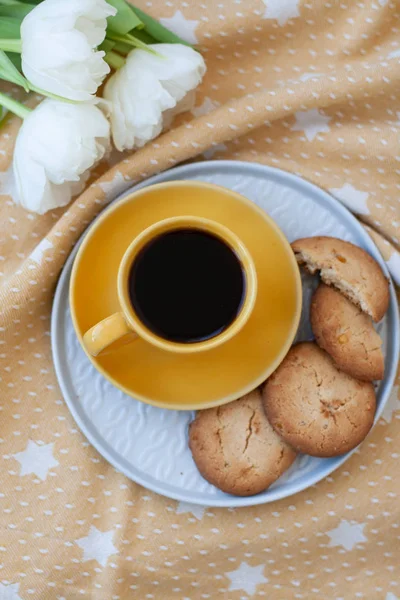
[(316, 408), (236, 449), (348, 268), (347, 334)]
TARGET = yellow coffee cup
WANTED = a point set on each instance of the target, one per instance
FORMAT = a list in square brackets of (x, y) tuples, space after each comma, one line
[(127, 320), (150, 367)]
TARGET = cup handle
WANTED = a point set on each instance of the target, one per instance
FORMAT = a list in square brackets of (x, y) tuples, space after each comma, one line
[(106, 332)]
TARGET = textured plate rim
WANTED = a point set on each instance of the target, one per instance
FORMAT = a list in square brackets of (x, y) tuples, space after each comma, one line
[(275, 494)]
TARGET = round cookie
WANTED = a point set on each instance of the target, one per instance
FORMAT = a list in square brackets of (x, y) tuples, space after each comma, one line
[(236, 449), (348, 268), (347, 334), (316, 408)]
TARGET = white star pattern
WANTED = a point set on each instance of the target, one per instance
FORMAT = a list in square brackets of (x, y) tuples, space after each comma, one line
[(38, 252), (205, 108), (393, 264), (392, 405), (394, 54), (83, 529), (281, 10), (196, 510), (213, 150), (348, 534), (9, 592), (36, 459), (114, 187), (97, 545), (354, 199), (185, 28), (246, 578), (310, 76), (311, 122)]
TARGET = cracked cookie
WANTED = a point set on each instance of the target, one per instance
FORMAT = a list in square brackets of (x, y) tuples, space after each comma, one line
[(316, 408), (236, 449), (347, 334), (349, 269)]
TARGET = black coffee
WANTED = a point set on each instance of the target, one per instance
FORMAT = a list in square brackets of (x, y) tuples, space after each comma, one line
[(187, 285)]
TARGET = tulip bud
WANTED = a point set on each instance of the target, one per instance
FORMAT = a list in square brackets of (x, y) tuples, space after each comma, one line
[(148, 85), (56, 147), (59, 47)]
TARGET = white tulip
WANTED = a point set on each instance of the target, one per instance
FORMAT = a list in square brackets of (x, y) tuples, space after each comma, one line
[(59, 41), (56, 146), (148, 85)]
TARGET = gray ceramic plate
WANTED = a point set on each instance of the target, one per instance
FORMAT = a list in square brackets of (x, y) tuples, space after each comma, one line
[(149, 444)]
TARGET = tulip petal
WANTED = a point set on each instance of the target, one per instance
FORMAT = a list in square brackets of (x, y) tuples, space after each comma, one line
[(57, 145)]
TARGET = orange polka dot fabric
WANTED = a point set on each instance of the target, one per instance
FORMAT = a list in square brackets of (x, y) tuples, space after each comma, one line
[(311, 87)]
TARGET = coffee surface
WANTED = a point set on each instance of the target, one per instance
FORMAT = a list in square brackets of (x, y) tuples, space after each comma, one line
[(187, 286)]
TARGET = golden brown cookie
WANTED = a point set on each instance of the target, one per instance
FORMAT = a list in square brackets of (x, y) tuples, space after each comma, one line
[(348, 268), (347, 334), (236, 449), (316, 408)]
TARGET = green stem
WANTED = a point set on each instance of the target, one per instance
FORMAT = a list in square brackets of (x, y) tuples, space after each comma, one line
[(14, 106), (122, 48), (131, 40), (9, 2), (116, 61), (11, 45), (145, 37)]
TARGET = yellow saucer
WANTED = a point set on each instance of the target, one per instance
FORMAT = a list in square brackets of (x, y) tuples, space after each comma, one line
[(209, 378)]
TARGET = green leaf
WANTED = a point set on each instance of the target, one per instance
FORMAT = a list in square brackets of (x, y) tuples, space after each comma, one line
[(10, 27), (107, 45), (17, 11), (35, 2), (156, 30), (125, 47), (10, 73), (3, 114), (143, 36), (125, 20), (9, 2), (16, 60), (122, 48), (131, 40)]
